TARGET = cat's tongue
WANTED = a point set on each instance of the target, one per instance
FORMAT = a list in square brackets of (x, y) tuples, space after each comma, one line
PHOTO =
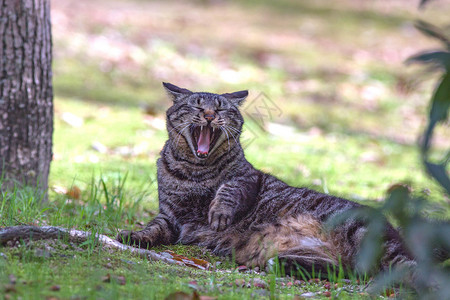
[(203, 140)]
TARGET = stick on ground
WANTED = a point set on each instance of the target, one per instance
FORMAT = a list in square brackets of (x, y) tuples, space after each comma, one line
[(16, 233)]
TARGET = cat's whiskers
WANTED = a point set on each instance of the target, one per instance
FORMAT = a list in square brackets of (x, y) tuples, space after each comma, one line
[(234, 129), (228, 138), (179, 133), (179, 125), (228, 129)]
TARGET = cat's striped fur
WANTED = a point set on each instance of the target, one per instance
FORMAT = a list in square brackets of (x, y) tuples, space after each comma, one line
[(210, 195)]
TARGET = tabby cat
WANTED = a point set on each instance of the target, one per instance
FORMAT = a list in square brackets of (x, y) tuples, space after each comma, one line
[(211, 196)]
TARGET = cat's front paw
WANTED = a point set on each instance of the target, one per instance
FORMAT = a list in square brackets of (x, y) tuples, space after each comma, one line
[(134, 238), (219, 218)]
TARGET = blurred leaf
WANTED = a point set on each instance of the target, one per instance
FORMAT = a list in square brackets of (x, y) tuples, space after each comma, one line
[(441, 101), (371, 246), (396, 202), (420, 237), (439, 172), (443, 278), (438, 113), (441, 251), (387, 279), (432, 31), (340, 218), (441, 58), (444, 236), (359, 213), (423, 3)]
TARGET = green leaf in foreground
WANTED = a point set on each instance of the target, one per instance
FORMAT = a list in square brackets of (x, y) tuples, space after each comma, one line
[(432, 31), (439, 58)]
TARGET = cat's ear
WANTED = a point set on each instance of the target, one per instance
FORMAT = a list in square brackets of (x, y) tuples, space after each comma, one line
[(176, 92), (237, 97)]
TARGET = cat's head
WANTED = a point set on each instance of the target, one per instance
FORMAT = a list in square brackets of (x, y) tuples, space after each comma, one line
[(204, 122)]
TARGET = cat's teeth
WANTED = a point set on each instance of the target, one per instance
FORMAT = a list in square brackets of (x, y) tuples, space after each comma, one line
[(201, 128), (213, 129)]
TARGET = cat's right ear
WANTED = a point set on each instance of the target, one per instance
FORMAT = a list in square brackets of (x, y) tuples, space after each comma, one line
[(175, 92), (237, 97)]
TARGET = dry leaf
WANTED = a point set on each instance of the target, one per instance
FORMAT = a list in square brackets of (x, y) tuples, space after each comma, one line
[(12, 279), (55, 288), (121, 280), (259, 283), (10, 288), (240, 282), (190, 262), (183, 296), (74, 193), (106, 278), (207, 298)]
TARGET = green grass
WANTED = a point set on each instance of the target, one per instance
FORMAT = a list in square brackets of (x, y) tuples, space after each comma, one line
[(85, 275), (89, 272), (351, 113)]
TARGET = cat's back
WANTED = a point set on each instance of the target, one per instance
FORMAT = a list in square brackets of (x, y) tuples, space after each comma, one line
[(278, 199)]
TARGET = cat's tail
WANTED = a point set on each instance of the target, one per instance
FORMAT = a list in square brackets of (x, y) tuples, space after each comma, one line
[(436, 244), (441, 241), (395, 253)]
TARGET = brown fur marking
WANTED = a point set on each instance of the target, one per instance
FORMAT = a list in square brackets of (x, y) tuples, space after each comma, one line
[(302, 233)]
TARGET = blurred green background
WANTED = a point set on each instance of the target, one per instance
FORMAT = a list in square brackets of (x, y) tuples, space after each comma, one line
[(340, 112)]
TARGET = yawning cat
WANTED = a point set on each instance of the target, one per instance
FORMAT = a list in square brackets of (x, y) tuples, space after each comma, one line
[(211, 196)]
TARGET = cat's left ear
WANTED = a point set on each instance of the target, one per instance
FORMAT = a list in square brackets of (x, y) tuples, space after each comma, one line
[(175, 92), (237, 97)]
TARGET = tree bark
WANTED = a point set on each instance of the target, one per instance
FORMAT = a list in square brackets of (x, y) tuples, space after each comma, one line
[(26, 93)]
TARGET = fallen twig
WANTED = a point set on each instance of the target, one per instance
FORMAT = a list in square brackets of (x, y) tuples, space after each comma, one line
[(16, 233)]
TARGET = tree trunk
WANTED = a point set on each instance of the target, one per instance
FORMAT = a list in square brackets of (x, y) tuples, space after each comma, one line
[(26, 95)]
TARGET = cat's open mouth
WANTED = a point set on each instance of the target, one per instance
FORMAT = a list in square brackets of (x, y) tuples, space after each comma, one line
[(205, 138)]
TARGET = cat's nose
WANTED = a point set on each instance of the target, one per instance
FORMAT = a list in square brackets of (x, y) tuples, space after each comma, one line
[(209, 115)]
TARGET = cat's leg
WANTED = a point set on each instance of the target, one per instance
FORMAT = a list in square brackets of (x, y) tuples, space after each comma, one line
[(233, 199), (222, 210), (159, 231)]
